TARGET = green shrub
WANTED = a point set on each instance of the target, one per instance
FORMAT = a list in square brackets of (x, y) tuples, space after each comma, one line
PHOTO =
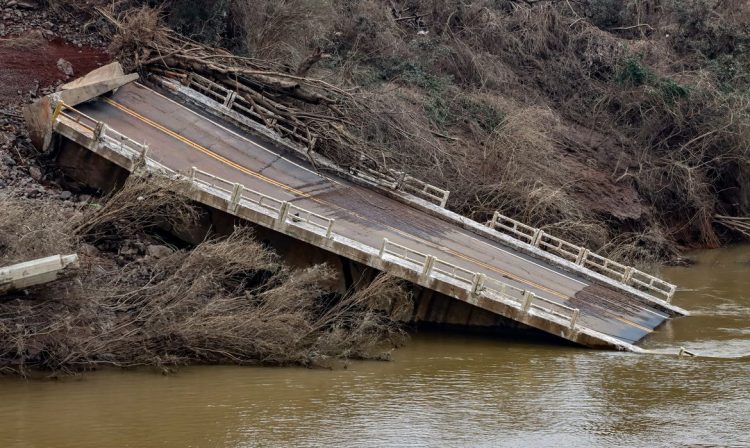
[(634, 73)]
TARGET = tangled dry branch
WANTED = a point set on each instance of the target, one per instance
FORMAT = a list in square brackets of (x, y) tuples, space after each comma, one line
[(227, 300)]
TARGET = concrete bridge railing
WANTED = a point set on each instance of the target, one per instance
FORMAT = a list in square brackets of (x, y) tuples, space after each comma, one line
[(428, 266), (478, 283), (230, 101), (582, 256)]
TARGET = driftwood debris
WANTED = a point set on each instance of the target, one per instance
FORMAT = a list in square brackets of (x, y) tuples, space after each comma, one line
[(741, 225), (318, 112)]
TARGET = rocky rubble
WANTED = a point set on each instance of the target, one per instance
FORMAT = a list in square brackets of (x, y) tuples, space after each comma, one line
[(25, 23), (22, 16)]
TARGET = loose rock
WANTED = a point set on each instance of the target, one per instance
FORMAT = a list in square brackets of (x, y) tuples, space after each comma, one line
[(158, 251), (65, 67)]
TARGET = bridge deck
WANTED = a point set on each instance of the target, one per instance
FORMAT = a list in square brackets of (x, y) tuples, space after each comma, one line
[(180, 138)]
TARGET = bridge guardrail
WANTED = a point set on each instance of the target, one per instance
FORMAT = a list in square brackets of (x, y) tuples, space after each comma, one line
[(419, 188), (480, 284), (99, 130), (287, 213), (528, 300), (228, 98), (582, 256)]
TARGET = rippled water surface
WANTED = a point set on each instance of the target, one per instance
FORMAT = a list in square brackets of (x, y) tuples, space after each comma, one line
[(438, 391)]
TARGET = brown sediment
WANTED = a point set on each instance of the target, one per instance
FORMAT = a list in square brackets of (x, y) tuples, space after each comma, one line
[(30, 61)]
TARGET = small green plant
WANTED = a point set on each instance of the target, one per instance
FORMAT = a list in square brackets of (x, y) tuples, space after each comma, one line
[(672, 91), (634, 73)]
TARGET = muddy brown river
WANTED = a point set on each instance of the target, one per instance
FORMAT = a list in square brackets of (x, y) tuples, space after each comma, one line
[(440, 390)]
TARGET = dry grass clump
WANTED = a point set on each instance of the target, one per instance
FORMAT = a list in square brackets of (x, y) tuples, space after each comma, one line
[(140, 26), (265, 27), (224, 301), (644, 250), (143, 203), (25, 236)]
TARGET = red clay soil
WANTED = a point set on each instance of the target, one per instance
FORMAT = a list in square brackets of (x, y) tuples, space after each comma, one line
[(27, 61)]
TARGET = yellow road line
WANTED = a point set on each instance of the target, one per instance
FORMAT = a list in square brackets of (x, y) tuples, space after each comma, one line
[(290, 189)]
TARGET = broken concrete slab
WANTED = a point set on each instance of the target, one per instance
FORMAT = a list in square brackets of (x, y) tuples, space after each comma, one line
[(38, 115), (36, 272)]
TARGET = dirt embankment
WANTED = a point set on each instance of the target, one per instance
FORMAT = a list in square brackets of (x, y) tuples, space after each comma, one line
[(31, 62), (40, 48)]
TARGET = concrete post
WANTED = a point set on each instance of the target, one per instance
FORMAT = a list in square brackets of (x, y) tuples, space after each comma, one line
[(581, 252), (581, 260), (383, 248), (429, 262), (192, 174), (528, 297), (445, 199), (400, 181), (670, 294), (329, 230), (537, 238), (56, 113), (574, 319), (229, 100), (493, 223), (234, 201), (477, 283), (283, 212), (98, 130), (627, 275)]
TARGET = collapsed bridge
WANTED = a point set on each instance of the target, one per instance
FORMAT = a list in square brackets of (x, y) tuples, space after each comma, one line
[(503, 273)]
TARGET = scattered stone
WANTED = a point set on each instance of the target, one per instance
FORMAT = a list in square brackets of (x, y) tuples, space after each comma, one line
[(23, 4), (65, 195), (84, 198), (158, 251), (89, 250), (35, 173), (65, 67), (129, 250)]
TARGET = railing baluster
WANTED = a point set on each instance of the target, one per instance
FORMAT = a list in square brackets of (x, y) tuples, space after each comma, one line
[(528, 297), (383, 248)]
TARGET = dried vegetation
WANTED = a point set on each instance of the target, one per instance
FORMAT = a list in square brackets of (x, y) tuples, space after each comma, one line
[(593, 119), (227, 300)]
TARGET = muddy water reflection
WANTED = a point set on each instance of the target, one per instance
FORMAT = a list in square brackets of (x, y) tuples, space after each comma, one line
[(440, 391)]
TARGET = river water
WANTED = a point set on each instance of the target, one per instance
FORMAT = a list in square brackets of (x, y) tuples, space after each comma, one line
[(439, 391)]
